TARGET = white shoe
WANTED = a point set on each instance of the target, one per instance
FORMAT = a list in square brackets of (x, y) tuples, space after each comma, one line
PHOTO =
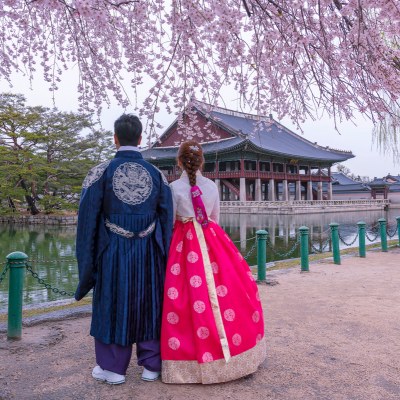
[(150, 376), (103, 375)]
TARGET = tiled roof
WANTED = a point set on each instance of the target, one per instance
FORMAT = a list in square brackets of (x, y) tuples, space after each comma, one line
[(272, 137), (393, 177), (378, 182), (339, 178), (263, 134), (157, 153), (355, 187)]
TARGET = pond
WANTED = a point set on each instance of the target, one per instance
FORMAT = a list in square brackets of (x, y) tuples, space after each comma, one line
[(51, 250)]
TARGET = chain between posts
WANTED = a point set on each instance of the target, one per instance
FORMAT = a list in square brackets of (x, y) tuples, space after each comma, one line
[(51, 261), (368, 237), (250, 251), (47, 285), (324, 246), (288, 253), (344, 242), (391, 234), (247, 240), (4, 272)]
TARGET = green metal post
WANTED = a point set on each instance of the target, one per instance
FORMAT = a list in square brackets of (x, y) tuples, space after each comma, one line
[(398, 228), (261, 254), (17, 263), (382, 228), (361, 239), (335, 242), (304, 248)]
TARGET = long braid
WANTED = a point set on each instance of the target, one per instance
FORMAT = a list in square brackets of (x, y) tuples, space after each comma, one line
[(190, 155)]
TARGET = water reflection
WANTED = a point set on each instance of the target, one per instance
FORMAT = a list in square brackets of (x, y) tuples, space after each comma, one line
[(51, 252), (52, 249), (283, 229)]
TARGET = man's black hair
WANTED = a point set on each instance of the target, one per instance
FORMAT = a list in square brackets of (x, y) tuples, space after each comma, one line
[(128, 129)]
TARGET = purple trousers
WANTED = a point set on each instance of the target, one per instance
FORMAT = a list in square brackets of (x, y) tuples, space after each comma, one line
[(116, 358)]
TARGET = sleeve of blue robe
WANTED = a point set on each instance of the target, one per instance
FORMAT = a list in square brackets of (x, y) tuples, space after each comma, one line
[(87, 237), (165, 214)]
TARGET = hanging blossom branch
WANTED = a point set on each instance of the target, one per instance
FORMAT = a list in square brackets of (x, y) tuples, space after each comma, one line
[(289, 57)]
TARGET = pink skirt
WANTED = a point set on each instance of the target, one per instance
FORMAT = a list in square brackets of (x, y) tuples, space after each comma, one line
[(212, 324)]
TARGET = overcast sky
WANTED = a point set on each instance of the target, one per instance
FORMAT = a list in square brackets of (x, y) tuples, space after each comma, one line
[(368, 161)]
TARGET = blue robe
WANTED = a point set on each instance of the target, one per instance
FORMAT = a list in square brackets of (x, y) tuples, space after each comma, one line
[(123, 236)]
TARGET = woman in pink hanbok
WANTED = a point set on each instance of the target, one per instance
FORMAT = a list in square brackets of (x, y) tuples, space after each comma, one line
[(212, 324)]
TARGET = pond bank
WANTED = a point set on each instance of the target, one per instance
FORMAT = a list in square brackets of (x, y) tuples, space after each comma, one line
[(61, 220)]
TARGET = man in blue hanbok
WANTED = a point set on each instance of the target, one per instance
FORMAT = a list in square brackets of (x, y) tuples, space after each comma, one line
[(124, 230)]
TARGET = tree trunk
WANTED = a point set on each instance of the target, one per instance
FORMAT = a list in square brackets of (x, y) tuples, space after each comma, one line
[(11, 204), (31, 204), (29, 199)]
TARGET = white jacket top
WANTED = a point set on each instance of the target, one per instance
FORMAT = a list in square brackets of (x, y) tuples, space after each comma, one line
[(182, 198)]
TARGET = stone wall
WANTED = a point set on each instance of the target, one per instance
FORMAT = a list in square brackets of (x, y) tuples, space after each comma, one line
[(40, 219), (300, 206)]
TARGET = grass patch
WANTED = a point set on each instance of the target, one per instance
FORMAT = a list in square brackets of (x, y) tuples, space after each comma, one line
[(285, 264), (45, 310)]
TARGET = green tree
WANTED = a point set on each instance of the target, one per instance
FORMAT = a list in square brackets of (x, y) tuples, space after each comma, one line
[(45, 154)]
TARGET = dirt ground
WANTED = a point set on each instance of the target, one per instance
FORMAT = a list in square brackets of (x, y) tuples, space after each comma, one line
[(333, 333)]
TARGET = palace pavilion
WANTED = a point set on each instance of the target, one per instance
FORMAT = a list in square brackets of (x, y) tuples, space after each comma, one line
[(253, 158)]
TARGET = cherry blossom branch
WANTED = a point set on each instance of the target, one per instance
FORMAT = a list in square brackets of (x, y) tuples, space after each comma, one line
[(287, 57)]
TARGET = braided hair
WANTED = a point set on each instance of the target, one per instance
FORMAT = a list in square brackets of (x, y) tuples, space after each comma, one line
[(190, 156)]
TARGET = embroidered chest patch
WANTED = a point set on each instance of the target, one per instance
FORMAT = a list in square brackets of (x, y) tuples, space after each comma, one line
[(132, 183), (95, 174)]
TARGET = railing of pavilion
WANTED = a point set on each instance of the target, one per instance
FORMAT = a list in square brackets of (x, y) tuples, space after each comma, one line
[(305, 203), (261, 174)]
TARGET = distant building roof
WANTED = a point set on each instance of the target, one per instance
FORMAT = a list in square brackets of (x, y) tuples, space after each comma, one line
[(378, 182), (390, 181), (339, 178), (392, 178), (351, 188)]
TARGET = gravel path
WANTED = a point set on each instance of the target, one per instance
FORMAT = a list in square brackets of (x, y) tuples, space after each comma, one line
[(333, 333)]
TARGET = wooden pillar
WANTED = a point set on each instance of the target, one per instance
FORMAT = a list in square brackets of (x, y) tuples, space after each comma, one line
[(242, 189), (298, 190), (309, 190), (271, 190), (285, 190), (258, 189), (319, 196), (330, 192), (277, 197), (218, 184)]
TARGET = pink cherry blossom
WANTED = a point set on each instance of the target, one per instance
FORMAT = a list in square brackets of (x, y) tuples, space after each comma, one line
[(289, 57)]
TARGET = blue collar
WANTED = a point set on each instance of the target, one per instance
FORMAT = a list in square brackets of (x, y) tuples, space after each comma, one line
[(129, 154)]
